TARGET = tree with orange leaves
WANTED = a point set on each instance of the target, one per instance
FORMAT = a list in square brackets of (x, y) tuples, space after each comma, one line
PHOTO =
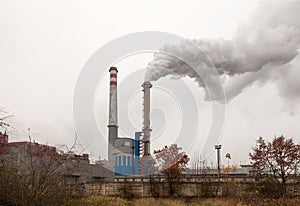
[(278, 158), (171, 161)]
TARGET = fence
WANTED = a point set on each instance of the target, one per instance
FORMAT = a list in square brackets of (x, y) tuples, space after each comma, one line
[(193, 187)]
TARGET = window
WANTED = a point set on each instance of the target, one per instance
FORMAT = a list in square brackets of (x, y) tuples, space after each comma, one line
[(120, 163), (124, 160), (127, 144), (128, 161)]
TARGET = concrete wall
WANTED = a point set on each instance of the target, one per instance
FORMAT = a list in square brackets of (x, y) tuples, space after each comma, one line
[(234, 187)]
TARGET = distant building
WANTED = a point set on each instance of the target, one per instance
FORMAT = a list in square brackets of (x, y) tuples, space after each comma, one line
[(234, 170), (22, 149), (82, 171), (103, 163), (84, 158)]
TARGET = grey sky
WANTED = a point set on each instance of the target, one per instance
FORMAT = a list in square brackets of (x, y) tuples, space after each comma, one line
[(44, 45)]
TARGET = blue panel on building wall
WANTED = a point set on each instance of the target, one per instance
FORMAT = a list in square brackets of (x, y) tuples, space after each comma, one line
[(124, 167), (124, 161), (120, 162), (121, 170), (129, 165), (129, 161)]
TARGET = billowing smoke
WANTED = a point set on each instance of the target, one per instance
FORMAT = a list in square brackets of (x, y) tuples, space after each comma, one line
[(263, 49)]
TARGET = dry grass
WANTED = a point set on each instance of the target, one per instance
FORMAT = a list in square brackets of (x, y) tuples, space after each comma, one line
[(96, 201), (114, 201), (158, 202), (245, 202)]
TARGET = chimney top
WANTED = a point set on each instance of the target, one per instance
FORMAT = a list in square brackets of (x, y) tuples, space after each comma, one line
[(113, 68), (147, 84)]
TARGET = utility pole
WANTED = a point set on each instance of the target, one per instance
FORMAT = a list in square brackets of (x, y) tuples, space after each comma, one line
[(218, 147)]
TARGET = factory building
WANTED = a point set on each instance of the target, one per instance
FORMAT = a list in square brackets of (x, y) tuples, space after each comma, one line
[(82, 171), (128, 156)]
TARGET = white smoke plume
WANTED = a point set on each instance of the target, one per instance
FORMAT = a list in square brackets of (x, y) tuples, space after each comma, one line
[(262, 50)]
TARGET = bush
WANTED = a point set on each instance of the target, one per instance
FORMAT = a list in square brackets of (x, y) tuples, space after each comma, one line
[(267, 187)]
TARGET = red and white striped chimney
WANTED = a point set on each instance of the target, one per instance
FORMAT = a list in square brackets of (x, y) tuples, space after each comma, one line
[(113, 114), (113, 104)]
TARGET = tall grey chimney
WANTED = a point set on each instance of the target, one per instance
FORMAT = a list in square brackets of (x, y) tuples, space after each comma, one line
[(146, 117), (113, 115)]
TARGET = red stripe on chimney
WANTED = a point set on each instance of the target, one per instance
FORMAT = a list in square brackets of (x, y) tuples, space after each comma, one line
[(113, 83), (113, 75)]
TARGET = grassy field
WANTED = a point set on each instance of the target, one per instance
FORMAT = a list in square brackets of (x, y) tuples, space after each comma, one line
[(114, 201)]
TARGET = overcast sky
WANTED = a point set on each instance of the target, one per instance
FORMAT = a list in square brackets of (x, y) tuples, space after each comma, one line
[(45, 44)]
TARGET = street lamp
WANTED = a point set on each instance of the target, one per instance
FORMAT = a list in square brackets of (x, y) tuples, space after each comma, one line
[(218, 147)]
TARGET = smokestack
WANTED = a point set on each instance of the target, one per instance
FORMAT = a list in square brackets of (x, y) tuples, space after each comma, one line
[(146, 117), (113, 114)]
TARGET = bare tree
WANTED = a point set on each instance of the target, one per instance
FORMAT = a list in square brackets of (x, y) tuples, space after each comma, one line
[(278, 158), (41, 182), (4, 116), (34, 175)]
